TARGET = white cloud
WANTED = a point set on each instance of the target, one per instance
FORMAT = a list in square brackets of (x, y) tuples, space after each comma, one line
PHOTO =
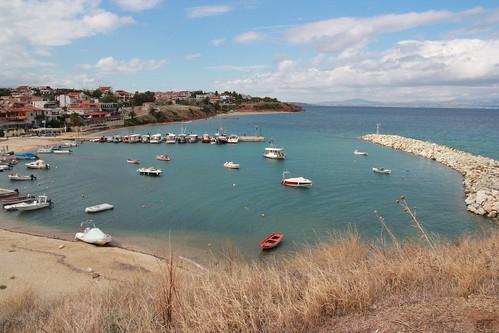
[(192, 56), (248, 37), (202, 11), (110, 65), (236, 68), (137, 5), (217, 42)]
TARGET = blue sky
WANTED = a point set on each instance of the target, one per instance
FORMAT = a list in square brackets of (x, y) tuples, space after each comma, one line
[(301, 51)]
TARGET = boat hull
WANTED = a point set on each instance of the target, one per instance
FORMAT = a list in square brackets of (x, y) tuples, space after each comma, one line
[(271, 241)]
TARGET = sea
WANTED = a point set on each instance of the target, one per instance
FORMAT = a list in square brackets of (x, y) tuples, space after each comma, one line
[(200, 209)]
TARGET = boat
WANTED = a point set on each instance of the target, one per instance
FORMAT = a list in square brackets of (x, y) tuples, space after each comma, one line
[(45, 150), (231, 165), (274, 153), (5, 193), (220, 139), (92, 235), (42, 201), (382, 170), (126, 139), (295, 182), (205, 138), (156, 138), (99, 208), (150, 171), (132, 161), (16, 200), (4, 167), (26, 156), (233, 138), (69, 144), (18, 177), (171, 138), (109, 138), (62, 151), (271, 241), (117, 139), (182, 138), (38, 164), (163, 157), (192, 138), (145, 138), (134, 138), (103, 139), (360, 153)]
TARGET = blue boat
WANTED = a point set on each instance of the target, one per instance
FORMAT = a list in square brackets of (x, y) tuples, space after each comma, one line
[(27, 156)]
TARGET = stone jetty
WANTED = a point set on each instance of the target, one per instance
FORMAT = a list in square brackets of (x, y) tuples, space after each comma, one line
[(481, 174)]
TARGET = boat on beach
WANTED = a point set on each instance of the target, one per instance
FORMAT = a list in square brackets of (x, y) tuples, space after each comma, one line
[(42, 201), (231, 165), (360, 153), (132, 161), (99, 208), (295, 182), (92, 235), (38, 164), (5, 193), (382, 171), (18, 177), (150, 171), (272, 241), (163, 157)]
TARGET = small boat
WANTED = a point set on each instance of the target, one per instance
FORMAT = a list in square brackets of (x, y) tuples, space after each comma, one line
[(18, 177), (45, 150), (117, 139), (99, 208), (62, 151), (274, 153), (109, 139), (163, 157), (145, 138), (361, 153), (382, 170), (181, 138), (126, 139), (103, 139), (271, 241), (131, 161), (38, 164), (69, 144), (17, 199), (156, 138), (42, 201), (192, 138), (92, 235), (206, 138), (233, 138), (231, 165), (27, 156), (5, 193), (171, 138), (295, 182), (151, 171), (134, 138), (4, 167)]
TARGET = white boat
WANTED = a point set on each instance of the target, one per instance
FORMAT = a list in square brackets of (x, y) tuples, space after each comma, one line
[(181, 138), (145, 138), (95, 140), (38, 164), (4, 167), (192, 138), (360, 153), (132, 161), (171, 138), (295, 182), (117, 139), (92, 235), (134, 138), (233, 138), (5, 193), (42, 201), (69, 144), (62, 151), (18, 177), (163, 157), (382, 170), (231, 165), (150, 171), (109, 139), (45, 150), (206, 138), (274, 153), (156, 138), (99, 208), (126, 139)]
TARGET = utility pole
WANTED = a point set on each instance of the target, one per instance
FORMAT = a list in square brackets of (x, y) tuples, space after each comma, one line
[(377, 128)]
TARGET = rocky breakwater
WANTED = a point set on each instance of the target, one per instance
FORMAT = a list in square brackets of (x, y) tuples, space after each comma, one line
[(481, 174)]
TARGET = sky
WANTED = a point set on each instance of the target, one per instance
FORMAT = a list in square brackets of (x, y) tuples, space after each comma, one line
[(301, 51)]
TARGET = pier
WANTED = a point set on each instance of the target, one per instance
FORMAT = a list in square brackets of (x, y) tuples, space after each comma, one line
[(244, 138)]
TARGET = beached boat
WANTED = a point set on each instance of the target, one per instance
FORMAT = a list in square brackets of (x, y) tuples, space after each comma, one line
[(16, 199), (99, 208), (360, 153), (150, 171), (62, 151), (163, 157), (233, 138), (382, 170), (92, 235), (295, 182), (38, 164), (5, 193), (271, 241), (231, 165), (156, 138), (134, 138), (18, 177), (171, 138), (26, 156), (42, 201), (132, 161), (145, 138), (45, 150), (274, 153), (192, 138)]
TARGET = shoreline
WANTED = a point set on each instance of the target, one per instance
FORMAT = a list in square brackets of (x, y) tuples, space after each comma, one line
[(480, 174)]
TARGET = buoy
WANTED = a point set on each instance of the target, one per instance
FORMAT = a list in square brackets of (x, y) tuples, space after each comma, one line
[(263, 215), (233, 185)]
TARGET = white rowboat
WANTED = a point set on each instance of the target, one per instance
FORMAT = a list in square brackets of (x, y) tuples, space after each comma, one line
[(99, 208)]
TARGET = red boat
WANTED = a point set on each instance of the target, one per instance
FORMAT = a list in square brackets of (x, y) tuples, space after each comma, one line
[(271, 241), (5, 193), (15, 200), (130, 161), (102, 139)]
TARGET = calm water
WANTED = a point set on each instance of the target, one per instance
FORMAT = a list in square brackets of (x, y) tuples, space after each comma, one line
[(201, 207)]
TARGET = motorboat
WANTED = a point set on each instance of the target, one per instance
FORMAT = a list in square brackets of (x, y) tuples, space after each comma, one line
[(171, 138), (4, 167), (42, 201), (382, 170), (132, 161), (38, 164), (181, 138), (150, 171), (192, 138), (221, 139), (99, 208), (274, 153), (360, 153), (103, 139), (163, 157), (156, 138), (206, 138), (69, 144), (92, 235), (271, 241), (231, 165), (145, 138), (134, 138), (117, 139), (295, 182), (109, 139), (26, 156), (62, 151), (18, 177), (45, 150), (126, 139), (16, 199), (5, 193), (233, 138)]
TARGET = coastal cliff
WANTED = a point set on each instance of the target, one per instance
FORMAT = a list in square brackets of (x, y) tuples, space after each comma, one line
[(481, 174)]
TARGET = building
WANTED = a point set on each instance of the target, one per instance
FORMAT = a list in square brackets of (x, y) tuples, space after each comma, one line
[(123, 96), (109, 107), (106, 90), (27, 114), (83, 108)]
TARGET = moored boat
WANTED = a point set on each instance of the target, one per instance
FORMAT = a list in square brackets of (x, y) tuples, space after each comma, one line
[(62, 151), (295, 182), (156, 138), (26, 156), (231, 165), (16, 199), (92, 235), (103, 139), (99, 208), (360, 153), (117, 139), (145, 138), (192, 138), (42, 201), (233, 138), (382, 171), (134, 138), (126, 139), (4, 167), (69, 144), (18, 177), (171, 138), (206, 138), (150, 171), (132, 161), (45, 150), (163, 157), (182, 138), (274, 153), (38, 164), (5, 193), (271, 241)]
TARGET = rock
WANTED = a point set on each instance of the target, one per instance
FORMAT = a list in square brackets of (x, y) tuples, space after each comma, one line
[(89, 270), (95, 275), (61, 246)]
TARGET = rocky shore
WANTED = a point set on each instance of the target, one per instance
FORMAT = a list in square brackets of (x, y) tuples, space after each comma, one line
[(481, 174)]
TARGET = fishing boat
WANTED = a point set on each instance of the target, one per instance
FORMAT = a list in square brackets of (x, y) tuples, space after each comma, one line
[(233, 138), (117, 139), (156, 138), (42, 201), (150, 171), (45, 150), (192, 138), (132, 161), (5, 193), (295, 182), (26, 156), (231, 165), (92, 235), (274, 153), (38, 164), (360, 153), (171, 138), (99, 208), (18, 177), (16, 200), (163, 157), (134, 138), (62, 151), (271, 241), (382, 171), (126, 139)]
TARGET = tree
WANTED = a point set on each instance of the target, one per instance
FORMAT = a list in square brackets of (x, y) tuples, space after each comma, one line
[(97, 93), (108, 98), (4, 92), (141, 98), (74, 119)]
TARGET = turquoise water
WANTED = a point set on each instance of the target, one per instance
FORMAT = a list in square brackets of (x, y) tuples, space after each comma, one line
[(202, 207)]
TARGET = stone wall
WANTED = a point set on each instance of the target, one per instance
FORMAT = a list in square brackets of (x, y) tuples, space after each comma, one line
[(481, 174)]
